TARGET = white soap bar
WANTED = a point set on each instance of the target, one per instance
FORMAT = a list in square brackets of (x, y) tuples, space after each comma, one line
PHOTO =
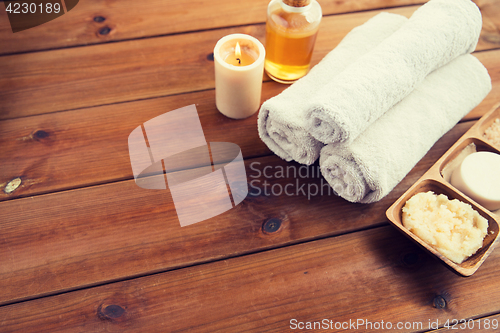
[(479, 177), (454, 163)]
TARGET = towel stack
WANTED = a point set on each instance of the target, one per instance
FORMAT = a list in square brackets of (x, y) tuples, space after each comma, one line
[(377, 103)]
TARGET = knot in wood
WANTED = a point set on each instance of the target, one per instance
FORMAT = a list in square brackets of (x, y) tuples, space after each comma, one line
[(111, 312), (40, 134), (272, 225), (12, 185), (104, 31), (439, 302), (99, 19)]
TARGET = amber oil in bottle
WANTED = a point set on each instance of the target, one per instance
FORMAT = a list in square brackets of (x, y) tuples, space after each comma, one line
[(291, 30)]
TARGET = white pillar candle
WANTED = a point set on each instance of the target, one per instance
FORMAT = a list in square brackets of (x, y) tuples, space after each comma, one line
[(239, 66)]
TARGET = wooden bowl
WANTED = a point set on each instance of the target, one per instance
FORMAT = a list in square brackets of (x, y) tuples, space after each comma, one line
[(434, 181)]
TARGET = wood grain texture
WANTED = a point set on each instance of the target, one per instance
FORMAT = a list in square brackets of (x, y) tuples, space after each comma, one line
[(84, 249), (43, 82), (338, 279), (89, 146), (73, 78), (67, 240), (128, 19)]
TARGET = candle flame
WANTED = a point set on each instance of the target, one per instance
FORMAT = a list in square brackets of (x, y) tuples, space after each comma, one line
[(237, 51)]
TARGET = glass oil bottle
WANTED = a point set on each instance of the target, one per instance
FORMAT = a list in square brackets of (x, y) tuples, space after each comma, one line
[(291, 30)]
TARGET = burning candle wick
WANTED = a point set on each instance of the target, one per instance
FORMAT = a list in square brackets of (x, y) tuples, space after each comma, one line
[(237, 52)]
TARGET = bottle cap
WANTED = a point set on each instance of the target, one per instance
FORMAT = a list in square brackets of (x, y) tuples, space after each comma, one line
[(297, 3)]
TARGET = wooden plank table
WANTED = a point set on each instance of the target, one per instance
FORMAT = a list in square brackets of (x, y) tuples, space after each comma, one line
[(84, 249)]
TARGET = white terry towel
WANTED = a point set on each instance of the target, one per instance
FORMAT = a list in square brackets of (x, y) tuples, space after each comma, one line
[(372, 165), (281, 120), (435, 34)]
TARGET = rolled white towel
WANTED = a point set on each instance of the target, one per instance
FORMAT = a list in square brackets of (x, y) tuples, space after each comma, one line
[(377, 160), (281, 120), (435, 34)]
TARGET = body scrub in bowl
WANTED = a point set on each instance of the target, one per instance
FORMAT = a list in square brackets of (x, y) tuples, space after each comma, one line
[(451, 227)]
